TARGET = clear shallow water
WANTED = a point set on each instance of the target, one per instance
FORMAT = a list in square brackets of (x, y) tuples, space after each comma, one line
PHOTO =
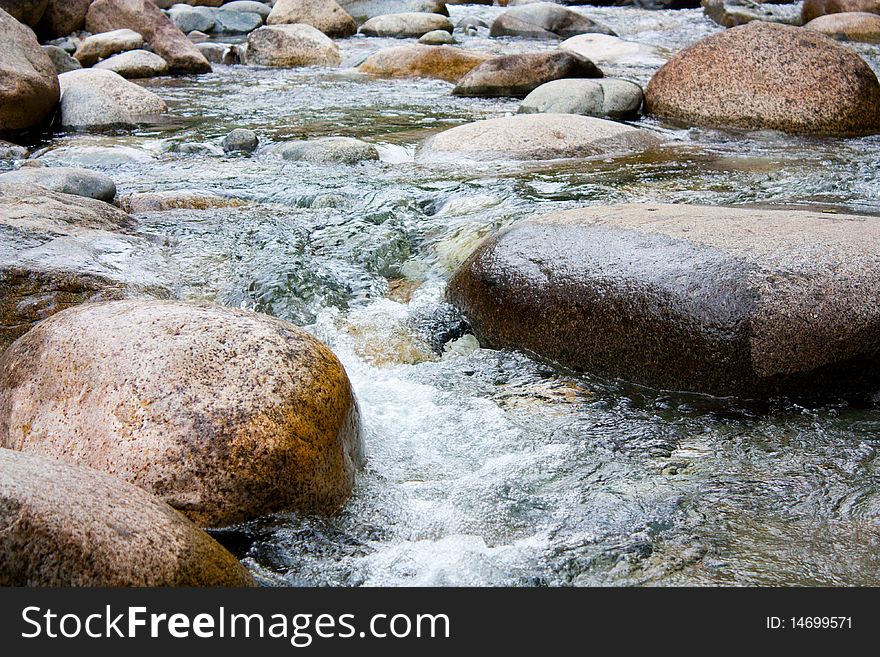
[(488, 468)]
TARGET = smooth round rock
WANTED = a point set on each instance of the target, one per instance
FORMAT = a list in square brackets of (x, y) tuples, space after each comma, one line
[(536, 137), (291, 46), (66, 180), (99, 46), (135, 64), (848, 26), (814, 8), (605, 97), (405, 26), (441, 62), (235, 22), (544, 20), (227, 415), (519, 75), (94, 98), (328, 150), (766, 76), (437, 38), (727, 301), (65, 525), (606, 49), (241, 141)]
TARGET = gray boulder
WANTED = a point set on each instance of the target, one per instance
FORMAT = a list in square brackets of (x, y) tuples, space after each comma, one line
[(607, 97), (544, 20), (326, 150), (66, 180)]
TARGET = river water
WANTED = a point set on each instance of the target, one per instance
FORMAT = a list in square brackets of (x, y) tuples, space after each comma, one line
[(485, 467)]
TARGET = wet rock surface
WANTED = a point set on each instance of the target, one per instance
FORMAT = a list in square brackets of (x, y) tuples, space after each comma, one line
[(224, 414), (727, 301), (72, 526)]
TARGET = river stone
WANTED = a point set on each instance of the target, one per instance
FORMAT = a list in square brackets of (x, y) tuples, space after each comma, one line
[(145, 17), (848, 26), (291, 46), (328, 150), (67, 180), (28, 12), (241, 140), (814, 8), (66, 525), (251, 7), (363, 10), (62, 17), (442, 62), (102, 157), (227, 415), (404, 26), (608, 97), (99, 46), (54, 254), (727, 301), (192, 19), (96, 98), (535, 137), (606, 49), (731, 13), (544, 20), (767, 76), (437, 38), (61, 60), (236, 22), (135, 64), (324, 15), (518, 75), (28, 80)]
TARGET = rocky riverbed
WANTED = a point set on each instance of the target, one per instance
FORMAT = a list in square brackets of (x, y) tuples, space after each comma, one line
[(339, 183)]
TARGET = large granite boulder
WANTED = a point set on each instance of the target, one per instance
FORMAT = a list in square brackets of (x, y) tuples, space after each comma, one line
[(728, 301), (227, 415), (28, 79), (768, 76)]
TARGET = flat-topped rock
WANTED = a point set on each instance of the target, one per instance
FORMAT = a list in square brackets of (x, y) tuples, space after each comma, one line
[(728, 301), (536, 137), (441, 62)]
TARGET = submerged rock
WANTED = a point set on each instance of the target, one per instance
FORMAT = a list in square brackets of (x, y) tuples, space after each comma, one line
[(848, 26), (93, 98), (335, 150), (536, 137), (518, 75), (441, 62), (66, 180), (146, 18), (135, 64), (66, 525), (52, 256), (405, 26), (175, 200), (227, 415), (728, 301), (27, 78), (544, 20), (324, 15), (291, 46), (607, 97), (767, 76)]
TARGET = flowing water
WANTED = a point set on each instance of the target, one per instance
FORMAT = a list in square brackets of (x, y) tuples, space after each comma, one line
[(486, 467)]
